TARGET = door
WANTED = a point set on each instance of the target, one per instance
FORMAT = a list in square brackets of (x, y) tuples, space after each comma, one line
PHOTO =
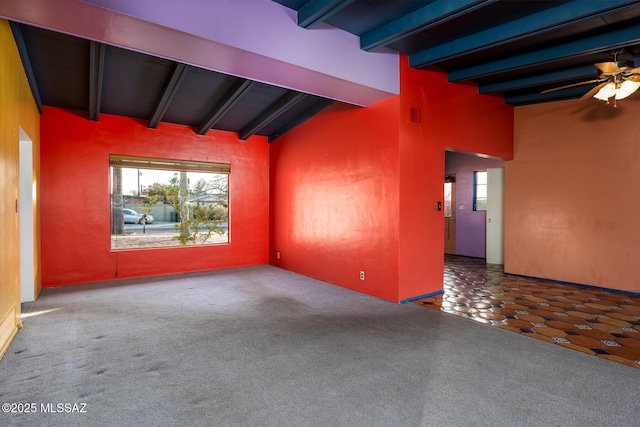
[(449, 215), (495, 216)]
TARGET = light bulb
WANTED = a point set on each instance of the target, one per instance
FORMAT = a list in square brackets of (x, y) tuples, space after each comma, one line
[(606, 92), (627, 88)]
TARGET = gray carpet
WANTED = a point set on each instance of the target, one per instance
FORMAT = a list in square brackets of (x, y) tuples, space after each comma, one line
[(261, 346)]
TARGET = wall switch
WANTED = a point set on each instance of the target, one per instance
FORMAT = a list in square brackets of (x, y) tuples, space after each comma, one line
[(278, 255), (361, 275)]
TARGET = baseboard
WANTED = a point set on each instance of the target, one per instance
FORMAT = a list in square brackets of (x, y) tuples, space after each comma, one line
[(9, 325), (404, 301)]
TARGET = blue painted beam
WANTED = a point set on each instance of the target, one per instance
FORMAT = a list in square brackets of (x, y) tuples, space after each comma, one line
[(96, 72), (528, 26), (169, 92), (316, 108), (583, 72), (26, 63), (275, 110), (225, 105), (560, 95), (317, 11), (429, 16), (612, 40)]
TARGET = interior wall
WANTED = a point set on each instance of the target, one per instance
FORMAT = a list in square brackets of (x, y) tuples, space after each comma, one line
[(357, 189), (18, 109), (334, 198), (76, 201), (451, 116), (572, 193), (471, 226)]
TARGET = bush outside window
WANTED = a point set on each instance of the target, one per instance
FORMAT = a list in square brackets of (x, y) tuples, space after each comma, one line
[(159, 203)]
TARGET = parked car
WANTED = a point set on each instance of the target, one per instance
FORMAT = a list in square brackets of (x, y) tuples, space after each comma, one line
[(133, 217)]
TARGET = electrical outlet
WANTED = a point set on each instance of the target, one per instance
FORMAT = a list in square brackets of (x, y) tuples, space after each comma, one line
[(361, 275), (278, 255)]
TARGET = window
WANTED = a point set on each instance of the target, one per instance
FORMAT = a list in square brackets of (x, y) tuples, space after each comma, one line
[(160, 202), (480, 191)]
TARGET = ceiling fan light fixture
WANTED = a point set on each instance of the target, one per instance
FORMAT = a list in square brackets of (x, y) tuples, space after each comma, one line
[(606, 92), (627, 88)]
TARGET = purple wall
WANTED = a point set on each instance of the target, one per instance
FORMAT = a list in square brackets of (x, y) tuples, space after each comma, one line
[(254, 39), (470, 224)]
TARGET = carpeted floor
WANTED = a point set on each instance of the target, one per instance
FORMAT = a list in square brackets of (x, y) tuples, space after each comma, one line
[(261, 346)]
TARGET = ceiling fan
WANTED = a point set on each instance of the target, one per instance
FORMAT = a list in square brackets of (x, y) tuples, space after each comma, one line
[(617, 80)]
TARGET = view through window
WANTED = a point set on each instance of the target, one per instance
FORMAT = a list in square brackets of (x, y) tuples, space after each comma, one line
[(480, 191), (159, 203)]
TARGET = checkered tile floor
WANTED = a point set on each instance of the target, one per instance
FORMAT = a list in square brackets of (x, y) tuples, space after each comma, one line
[(592, 320)]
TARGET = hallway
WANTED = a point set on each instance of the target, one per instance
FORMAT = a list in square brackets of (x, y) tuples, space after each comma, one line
[(591, 320)]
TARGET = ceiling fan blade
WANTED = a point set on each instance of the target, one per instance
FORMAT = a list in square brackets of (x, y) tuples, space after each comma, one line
[(608, 67), (633, 77), (592, 92), (574, 85)]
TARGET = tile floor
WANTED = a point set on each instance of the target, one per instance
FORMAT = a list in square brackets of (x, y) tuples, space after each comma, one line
[(592, 320)]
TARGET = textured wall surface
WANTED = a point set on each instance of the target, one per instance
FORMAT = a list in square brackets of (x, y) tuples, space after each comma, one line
[(572, 193), (357, 189), (17, 110), (75, 164)]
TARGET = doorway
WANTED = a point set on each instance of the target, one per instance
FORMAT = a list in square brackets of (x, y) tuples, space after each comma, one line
[(26, 197), (469, 217)]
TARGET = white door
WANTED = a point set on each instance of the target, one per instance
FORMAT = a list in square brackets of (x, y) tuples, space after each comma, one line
[(495, 216)]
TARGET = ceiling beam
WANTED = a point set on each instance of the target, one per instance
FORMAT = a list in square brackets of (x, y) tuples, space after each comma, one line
[(574, 73), (26, 63), (317, 11), (96, 72), (232, 97), (320, 105), (529, 26), (429, 16), (170, 90), (605, 42), (537, 98), (276, 109)]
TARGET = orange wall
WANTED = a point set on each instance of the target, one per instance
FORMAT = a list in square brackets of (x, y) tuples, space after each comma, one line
[(17, 109), (76, 206), (572, 193), (356, 188)]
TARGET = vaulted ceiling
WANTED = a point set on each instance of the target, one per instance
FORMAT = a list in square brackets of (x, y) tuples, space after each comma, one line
[(514, 49)]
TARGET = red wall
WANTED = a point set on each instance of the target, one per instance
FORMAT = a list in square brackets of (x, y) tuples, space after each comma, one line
[(454, 117), (334, 198), (76, 203), (356, 188)]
